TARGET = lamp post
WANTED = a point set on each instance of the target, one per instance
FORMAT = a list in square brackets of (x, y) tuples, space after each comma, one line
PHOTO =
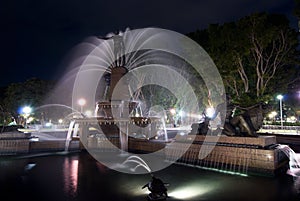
[(81, 102), (26, 111), (280, 97)]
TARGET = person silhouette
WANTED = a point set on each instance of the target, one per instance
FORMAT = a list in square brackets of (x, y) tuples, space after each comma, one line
[(157, 187)]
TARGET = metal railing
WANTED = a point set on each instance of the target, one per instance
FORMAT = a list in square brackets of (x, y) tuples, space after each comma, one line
[(281, 129), (276, 127)]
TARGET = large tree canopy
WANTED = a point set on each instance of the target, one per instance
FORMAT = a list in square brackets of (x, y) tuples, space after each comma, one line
[(255, 55), (31, 92)]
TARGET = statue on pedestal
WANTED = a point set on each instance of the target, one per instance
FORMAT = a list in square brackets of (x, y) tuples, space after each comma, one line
[(119, 50), (238, 121)]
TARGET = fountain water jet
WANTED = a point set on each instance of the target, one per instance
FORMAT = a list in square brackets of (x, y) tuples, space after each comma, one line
[(136, 159), (159, 56), (294, 160), (118, 106)]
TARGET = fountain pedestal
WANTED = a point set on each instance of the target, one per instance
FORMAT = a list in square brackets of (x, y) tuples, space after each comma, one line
[(246, 155), (115, 115)]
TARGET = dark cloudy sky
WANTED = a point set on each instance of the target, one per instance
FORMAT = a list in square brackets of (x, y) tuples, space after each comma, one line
[(36, 35)]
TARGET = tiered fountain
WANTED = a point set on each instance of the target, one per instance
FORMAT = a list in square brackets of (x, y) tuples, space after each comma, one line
[(116, 119), (117, 116)]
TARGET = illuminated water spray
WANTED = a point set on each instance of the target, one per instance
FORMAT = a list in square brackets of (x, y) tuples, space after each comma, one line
[(116, 73), (294, 160), (138, 161)]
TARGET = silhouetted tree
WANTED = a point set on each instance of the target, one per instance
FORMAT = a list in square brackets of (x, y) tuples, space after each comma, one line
[(31, 92), (255, 55)]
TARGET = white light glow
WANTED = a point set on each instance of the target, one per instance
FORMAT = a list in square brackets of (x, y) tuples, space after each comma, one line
[(48, 124), (81, 102), (88, 113), (181, 113), (30, 119), (269, 156), (280, 97), (272, 114), (190, 191), (26, 110), (182, 133), (224, 171), (210, 112), (172, 111)]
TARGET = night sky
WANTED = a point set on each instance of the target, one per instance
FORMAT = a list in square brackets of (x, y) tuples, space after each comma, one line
[(37, 35)]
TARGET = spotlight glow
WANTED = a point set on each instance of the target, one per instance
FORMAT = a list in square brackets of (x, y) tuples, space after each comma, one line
[(210, 112), (81, 102), (190, 191), (26, 110), (173, 111), (181, 113)]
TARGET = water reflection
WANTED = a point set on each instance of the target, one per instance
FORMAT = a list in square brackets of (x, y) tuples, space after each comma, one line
[(79, 177), (70, 172), (297, 185)]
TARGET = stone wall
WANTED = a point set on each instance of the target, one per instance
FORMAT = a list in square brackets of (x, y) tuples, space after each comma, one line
[(15, 146), (244, 155)]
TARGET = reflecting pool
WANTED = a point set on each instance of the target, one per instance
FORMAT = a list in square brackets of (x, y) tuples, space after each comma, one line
[(79, 177)]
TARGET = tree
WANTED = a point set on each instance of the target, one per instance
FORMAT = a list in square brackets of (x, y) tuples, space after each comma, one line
[(32, 92), (255, 55), (297, 9)]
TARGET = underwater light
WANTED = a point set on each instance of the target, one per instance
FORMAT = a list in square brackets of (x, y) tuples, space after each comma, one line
[(224, 171)]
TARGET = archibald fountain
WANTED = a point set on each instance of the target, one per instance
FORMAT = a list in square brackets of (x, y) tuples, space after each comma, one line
[(235, 147)]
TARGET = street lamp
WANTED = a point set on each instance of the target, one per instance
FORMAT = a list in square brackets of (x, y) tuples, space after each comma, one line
[(26, 112), (280, 97), (81, 102)]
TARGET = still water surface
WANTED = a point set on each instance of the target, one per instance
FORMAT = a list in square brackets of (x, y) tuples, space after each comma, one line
[(79, 177)]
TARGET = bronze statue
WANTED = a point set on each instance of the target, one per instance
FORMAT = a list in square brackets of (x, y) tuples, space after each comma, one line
[(119, 50), (236, 125), (238, 121)]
